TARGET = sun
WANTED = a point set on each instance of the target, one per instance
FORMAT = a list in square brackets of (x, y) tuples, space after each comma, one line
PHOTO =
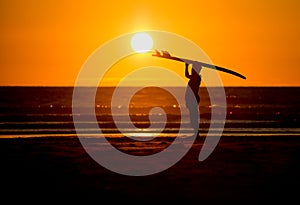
[(141, 42)]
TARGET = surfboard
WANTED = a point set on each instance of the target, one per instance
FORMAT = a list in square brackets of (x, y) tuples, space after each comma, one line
[(167, 55)]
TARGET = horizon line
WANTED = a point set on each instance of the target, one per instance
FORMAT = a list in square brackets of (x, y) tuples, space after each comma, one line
[(72, 86)]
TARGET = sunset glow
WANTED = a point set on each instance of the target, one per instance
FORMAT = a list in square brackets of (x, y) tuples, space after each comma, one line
[(46, 42)]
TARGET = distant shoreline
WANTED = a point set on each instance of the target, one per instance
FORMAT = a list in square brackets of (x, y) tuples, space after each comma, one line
[(46, 86)]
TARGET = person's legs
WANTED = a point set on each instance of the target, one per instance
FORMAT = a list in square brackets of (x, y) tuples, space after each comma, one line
[(194, 115), (192, 105)]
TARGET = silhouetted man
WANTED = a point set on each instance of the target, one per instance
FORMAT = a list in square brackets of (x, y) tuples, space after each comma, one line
[(192, 97)]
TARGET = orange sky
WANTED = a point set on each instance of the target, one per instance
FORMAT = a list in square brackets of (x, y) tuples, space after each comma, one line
[(46, 42)]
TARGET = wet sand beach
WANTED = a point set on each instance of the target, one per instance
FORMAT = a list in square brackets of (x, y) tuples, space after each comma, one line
[(240, 171)]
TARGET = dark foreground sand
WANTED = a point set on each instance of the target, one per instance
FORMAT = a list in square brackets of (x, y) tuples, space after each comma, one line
[(241, 170)]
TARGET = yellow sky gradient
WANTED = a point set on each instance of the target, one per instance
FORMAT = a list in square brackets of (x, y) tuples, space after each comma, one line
[(46, 42)]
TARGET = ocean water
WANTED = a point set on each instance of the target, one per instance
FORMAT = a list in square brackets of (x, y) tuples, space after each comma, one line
[(47, 112)]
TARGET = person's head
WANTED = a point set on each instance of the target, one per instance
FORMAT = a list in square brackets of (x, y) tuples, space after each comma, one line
[(197, 68)]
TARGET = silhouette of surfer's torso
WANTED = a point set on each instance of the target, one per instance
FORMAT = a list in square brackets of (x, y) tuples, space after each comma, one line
[(193, 88), (194, 84)]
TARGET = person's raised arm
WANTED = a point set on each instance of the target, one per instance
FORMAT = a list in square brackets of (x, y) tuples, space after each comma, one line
[(187, 74)]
